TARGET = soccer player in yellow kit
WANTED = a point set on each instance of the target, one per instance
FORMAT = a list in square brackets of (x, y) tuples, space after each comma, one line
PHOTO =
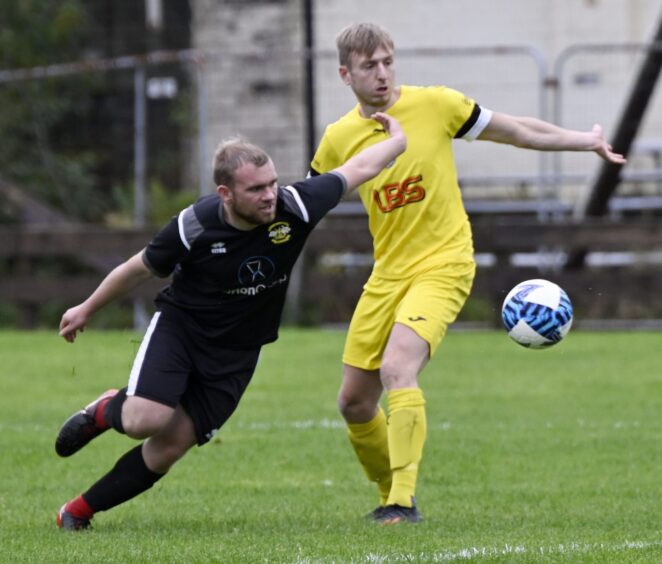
[(423, 250)]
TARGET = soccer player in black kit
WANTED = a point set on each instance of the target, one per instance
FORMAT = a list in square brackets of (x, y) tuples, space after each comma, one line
[(230, 256)]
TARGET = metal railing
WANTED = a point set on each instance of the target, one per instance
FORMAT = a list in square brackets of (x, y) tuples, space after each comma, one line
[(138, 64), (551, 93)]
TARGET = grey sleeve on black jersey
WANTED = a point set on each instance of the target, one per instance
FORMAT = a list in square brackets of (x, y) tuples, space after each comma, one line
[(343, 179), (170, 245), (189, 226)]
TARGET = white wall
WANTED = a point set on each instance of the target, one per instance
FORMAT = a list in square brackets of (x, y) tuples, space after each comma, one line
[(595, 85), (549, 24), (256, 88)]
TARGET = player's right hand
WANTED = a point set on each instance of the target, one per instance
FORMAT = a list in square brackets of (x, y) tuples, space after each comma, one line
[(73, 320), (390, 124)]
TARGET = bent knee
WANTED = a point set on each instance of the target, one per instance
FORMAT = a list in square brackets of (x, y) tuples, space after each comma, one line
[(144, 418), (356, 409)]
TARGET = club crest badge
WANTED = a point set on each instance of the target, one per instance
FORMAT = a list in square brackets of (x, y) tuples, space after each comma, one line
[(280, 232)]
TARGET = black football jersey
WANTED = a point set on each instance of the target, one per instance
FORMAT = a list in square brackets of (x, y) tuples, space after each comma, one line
[(230, 284)]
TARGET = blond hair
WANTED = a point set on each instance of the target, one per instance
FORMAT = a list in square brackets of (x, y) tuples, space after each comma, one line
[(233, 153), (363, 39)]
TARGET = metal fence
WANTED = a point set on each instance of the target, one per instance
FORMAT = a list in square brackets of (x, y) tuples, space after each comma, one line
[(583, 76), (264, 94), (143, 88), (585, 84)]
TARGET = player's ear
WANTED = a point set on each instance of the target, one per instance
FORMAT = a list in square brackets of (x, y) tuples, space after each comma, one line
[(224, 192), (343, 71)]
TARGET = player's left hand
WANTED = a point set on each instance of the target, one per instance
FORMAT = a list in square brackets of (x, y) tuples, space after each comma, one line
[(604, 149)]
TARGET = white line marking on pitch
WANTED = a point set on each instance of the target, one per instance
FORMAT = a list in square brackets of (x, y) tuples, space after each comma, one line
[(476, 553)]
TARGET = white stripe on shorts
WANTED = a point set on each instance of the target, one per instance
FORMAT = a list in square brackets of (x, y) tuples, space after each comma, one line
[(140, 357)]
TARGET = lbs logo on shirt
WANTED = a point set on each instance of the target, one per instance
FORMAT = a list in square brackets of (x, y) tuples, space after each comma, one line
[(280, 232), (399, 194)]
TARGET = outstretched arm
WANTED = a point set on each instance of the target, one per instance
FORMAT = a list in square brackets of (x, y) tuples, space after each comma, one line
[(372, 160), (532, 133), (119, 282)]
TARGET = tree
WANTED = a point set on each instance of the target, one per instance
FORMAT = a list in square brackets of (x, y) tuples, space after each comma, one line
[(37, 116)]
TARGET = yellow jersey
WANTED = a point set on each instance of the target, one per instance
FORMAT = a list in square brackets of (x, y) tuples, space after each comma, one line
[(416, 215)]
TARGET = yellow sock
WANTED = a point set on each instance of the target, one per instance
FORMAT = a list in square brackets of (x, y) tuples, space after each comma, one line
[(406, 436), (371, 447)]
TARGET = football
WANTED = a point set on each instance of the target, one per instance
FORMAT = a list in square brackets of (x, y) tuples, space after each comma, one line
[(537, 314)]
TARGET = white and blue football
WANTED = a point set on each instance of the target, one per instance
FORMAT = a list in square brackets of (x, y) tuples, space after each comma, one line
[(537, 314)]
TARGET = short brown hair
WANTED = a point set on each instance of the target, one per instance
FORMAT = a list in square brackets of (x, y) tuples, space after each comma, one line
[(233, 153), (361, 38)]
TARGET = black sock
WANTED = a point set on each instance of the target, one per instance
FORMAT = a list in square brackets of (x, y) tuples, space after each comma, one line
[(112, 412), (128, 478)]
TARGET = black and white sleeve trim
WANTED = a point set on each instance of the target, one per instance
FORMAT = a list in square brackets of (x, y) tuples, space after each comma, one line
[(474, 126), (300, 208)]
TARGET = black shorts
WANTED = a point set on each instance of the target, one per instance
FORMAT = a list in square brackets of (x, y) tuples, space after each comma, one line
[(176, 365)]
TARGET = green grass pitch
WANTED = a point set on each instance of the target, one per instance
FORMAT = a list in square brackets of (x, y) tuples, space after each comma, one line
[(532, 456)]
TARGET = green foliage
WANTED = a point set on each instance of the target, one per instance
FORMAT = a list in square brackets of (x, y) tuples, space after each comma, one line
[(40, 32), (162, 204), (37, 116), (532, 456), (67, 139)]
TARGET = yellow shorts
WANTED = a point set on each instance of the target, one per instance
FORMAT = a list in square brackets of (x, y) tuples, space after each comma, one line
[(427, 302)]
